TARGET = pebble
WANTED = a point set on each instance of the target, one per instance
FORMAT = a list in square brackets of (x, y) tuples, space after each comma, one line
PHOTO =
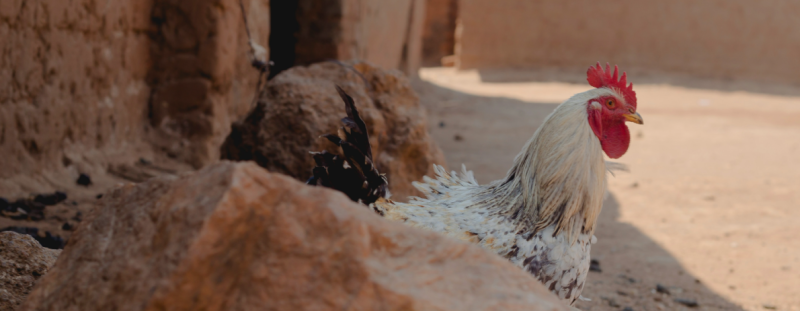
[(611, 302), (594, 265), (691, 303), (84, 180), (50, 198), (78, 217)]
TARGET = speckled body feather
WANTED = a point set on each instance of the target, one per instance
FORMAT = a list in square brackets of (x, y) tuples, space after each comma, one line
[(541, 216)]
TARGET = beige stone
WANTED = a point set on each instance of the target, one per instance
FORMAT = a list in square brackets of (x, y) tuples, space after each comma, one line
[(301, 104), (22, 262), (235, 237), (728, 39)]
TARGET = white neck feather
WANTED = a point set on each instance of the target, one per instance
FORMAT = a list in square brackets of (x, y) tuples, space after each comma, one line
[(559, 177)]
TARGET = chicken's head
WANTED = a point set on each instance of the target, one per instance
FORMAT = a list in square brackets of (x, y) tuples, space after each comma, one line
[(609, 111)]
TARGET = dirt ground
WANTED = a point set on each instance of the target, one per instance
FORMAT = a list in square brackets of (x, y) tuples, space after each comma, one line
[(709, 209)]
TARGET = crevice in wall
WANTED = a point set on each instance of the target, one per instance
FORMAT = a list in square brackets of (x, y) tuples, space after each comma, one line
[(282, 40)]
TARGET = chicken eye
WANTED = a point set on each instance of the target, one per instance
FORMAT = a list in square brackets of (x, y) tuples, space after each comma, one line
[(610, 103)]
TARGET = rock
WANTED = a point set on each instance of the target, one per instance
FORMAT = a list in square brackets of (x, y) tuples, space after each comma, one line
[(691, 303), (594, 265), (611, 302), (46, 239), (84, 180), (627, 278), (236, 237), (301, 104), (50, 198), (669, 290), (22, 262), (24, 209)]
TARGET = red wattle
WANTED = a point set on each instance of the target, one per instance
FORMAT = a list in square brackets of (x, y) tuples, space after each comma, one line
[(615, 140), (614, 136)]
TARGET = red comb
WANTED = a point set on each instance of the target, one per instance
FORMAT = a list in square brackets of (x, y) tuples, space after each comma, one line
[(598, 78)]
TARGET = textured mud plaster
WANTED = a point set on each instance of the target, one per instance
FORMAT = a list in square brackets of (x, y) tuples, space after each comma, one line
[(726, 39), (385, 33), (201, 79), (438, 35), (78, 79), (71, 80)]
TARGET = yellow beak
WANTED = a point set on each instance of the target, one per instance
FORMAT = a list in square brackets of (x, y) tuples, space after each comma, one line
[(634, 117)]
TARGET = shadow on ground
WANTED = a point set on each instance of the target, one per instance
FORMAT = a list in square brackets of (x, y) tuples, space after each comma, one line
[(486, 133), (633, 266)]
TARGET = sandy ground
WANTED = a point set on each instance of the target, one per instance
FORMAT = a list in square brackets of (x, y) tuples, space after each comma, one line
[(710, 207)]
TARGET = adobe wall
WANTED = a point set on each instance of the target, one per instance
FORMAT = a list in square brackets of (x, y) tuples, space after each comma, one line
[(201, 75), (715, 38), (72, 77), (385, 33), (86, 84), (438, 36)]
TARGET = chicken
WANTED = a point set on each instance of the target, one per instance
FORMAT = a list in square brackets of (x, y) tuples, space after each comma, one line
[(542, 215)]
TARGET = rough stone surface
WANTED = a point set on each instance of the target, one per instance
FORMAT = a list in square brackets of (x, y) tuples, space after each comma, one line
[(301, 104), (438, 35), (386, 33), (86, 85), (22, 262), (729, 39), (235, 237)]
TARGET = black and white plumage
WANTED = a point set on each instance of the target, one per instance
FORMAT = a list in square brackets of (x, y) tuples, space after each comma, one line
[(541, 216), (353, 173)]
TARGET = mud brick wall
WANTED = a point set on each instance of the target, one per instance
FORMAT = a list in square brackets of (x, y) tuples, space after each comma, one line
[(438, 36), (747, 39), (385, 33), (200, 75), (86, 83)]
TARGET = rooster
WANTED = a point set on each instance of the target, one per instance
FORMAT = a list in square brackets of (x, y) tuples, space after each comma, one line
[(541, 216)]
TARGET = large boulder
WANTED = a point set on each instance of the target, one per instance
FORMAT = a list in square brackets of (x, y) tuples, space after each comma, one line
[(22, 262), (236, 237), (301, 104)]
